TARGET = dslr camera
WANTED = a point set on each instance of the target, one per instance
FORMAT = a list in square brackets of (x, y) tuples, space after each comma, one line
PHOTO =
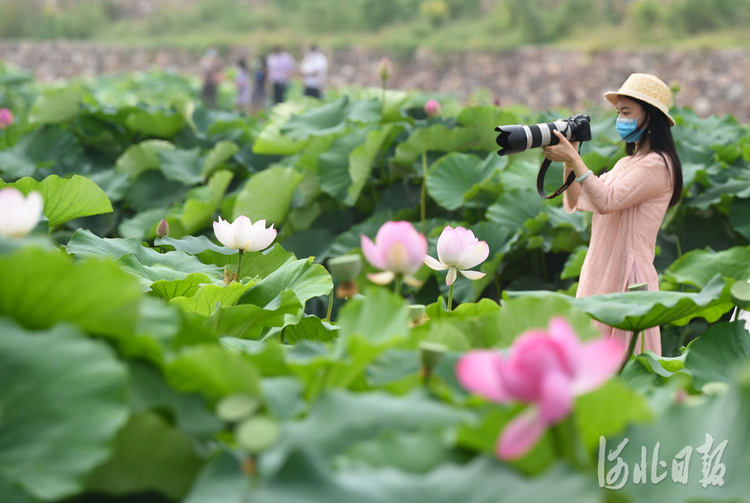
[(517, 138)]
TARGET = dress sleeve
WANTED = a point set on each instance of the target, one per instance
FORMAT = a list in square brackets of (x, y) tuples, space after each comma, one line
[(644, 179), (581, 203)]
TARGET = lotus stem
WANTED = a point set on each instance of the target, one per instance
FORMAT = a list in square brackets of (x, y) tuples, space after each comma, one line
[(397, 285), (450, 297), (382, 100), (239, 267), (330, 306), (424, 191), (631, 348)]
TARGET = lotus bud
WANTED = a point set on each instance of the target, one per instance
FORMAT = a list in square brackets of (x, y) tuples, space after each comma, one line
[(496, 102), (432, 108), (6, 118), (345, 268), (162, 229), (385, 69), (430, 353)]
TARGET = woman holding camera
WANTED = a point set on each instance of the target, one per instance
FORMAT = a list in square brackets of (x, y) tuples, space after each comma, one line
[(629, 202)]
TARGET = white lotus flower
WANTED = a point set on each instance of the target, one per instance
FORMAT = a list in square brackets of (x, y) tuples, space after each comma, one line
[(458, 250), (244, 235), (18, 214)]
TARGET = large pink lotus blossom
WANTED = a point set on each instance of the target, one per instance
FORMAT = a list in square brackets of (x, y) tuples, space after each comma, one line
[(6, 118), (432, 108), (18, 214), (544, 369), (244, 235), (458, 250), (398, 250)]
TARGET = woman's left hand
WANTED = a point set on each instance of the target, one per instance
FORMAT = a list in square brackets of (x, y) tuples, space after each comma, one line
[(562, 152)]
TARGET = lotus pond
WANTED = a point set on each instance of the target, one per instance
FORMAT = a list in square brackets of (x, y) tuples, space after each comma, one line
[(402, 326)]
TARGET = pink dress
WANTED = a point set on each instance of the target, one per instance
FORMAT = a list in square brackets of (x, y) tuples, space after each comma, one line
[(629, 203)]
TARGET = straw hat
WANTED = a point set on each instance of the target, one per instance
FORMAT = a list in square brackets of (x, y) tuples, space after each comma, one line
[(645, 87)]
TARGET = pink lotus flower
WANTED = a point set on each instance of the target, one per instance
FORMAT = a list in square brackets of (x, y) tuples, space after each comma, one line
[(244, 235), (544, 369), (6, 118), (18, 214), (458, 250), (385, 69), (432, 108), (398, 249)]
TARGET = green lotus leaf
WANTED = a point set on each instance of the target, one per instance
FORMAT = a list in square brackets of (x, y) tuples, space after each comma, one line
[(63, 399), (637, 311), (454, 179), (268, 195), (141, 157)]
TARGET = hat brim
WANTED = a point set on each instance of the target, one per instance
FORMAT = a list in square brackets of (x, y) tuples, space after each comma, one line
[(612, 96)]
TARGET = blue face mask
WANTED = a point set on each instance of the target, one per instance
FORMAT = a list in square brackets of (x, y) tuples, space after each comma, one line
[(628, 129)]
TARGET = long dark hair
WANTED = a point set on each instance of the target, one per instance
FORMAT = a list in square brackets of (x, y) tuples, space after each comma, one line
[(659, 134)]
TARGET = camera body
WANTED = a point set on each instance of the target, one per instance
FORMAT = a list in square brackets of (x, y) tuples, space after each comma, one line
[(517, 138)]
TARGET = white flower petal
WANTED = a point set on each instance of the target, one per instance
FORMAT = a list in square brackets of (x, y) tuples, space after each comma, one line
[(449, 247), (242, 229), (262, 239), (474, 255), (223, 232), (434, 264), (472, 275), (451, 276), (413, 282), (381, 278)]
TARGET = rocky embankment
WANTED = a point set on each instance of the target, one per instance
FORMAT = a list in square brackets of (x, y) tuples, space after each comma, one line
[(712, 82)]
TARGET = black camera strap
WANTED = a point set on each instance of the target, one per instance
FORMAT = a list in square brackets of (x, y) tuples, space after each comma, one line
[(543, 172)]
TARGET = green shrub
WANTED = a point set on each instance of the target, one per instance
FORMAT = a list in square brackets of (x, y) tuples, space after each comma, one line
[(646, 14)]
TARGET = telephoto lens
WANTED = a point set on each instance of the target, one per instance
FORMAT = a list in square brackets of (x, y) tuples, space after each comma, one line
[(517, 138)]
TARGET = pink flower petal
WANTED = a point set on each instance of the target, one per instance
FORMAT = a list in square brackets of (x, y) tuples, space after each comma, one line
[(567, 341), (381, 278), (478, 372), (416, 245), (472, 275), (434, 264), (372, 253), (449, 247), (397, 259), (473, 255), (599, 361), (451, 277), (467, 237), (557, 396), (520, 435), (533, 354)]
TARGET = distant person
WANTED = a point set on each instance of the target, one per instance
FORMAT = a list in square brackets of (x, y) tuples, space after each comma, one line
[(258, 100), (211, 68), (244, 87), (280, 65), (314, 67)]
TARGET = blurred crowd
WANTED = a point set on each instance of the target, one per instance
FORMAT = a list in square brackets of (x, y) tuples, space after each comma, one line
[(266, 80)]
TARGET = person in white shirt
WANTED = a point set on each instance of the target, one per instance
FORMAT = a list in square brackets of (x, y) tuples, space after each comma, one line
[(314, 67)]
